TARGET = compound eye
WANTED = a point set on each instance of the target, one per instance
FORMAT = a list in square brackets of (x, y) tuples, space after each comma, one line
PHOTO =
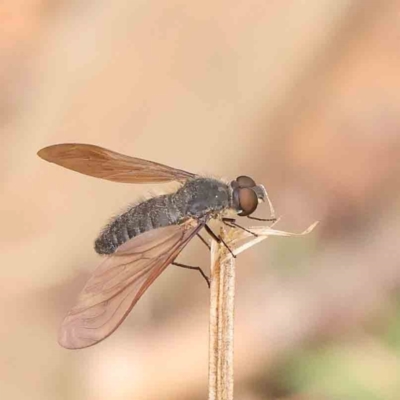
[(245, 182), (248, 201), (236, 200)]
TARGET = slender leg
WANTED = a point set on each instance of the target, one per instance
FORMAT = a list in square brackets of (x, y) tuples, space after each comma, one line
[(262, 219), (218, 239), (204, 241), (232, 223), (196, 268)]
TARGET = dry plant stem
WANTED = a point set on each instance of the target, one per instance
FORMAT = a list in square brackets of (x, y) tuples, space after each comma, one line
[(221, 323), (222, 295)]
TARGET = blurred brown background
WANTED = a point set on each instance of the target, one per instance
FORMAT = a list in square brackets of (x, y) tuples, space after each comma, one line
[(302, 95)]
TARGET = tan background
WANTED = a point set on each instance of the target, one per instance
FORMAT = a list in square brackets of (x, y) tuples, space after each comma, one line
[(302, 95)]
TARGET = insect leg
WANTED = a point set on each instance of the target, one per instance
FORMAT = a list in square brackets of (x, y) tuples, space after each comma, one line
[(262, 219), (196, 268), (203, 240), (218, 239), (232, 223)]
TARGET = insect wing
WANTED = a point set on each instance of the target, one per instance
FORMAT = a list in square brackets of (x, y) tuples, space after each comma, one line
[(119, 282), (106, 164)]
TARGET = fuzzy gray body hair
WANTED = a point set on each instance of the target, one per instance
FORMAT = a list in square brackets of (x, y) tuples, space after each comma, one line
[(199, 198)]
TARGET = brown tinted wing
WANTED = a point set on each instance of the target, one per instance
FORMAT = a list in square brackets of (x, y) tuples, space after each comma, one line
[(119, 282), (106, 164)]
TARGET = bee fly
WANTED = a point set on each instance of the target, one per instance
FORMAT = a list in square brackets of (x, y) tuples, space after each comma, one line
[(143, 241)]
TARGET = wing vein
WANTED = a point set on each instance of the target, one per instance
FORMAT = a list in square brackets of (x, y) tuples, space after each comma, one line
[(119, 282)]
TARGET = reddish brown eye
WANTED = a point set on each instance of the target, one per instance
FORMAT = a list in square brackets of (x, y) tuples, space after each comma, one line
[(245, 182), (248, 201)]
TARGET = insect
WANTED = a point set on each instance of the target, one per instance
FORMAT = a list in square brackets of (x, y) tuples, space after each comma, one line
[(140, 243)]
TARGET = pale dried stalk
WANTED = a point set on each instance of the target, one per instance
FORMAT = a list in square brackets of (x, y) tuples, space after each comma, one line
[(221, 323), (222, 295)]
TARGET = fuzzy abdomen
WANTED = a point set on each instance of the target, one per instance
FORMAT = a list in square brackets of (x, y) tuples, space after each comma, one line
[(200, 198), (151, 214)]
